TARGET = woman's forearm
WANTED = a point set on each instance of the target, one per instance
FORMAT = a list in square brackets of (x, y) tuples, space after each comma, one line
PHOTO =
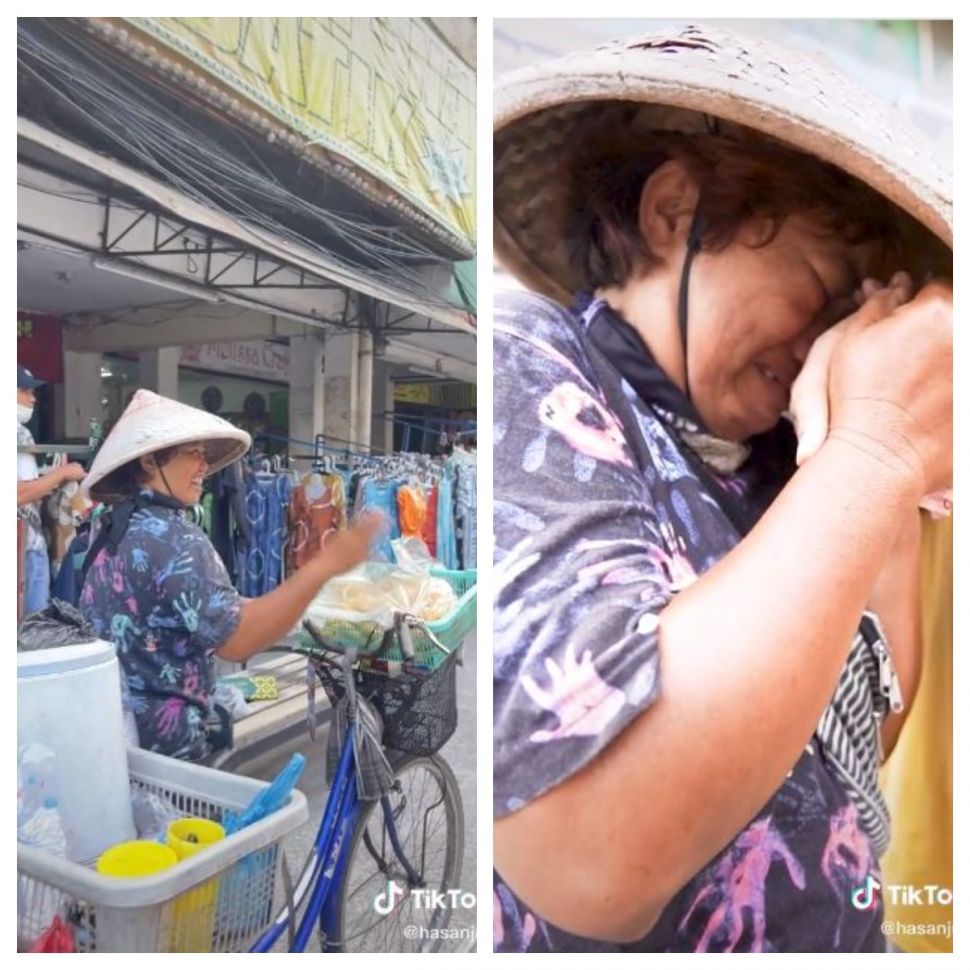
[(267, 619), (36, 489), (750, 655)]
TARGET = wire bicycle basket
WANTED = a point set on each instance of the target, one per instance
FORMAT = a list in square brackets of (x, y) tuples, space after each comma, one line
[(419, 708)]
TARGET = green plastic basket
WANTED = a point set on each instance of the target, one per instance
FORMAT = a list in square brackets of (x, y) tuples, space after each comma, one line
[(365, 637)]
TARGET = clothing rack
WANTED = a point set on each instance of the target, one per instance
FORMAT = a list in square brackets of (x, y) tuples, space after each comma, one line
[(471, 422), (347, 448), (467, 427), (81, 451), (362, 480), (318, 445)]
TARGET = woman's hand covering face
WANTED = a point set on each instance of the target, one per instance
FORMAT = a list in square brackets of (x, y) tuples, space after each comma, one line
[(809, 407), (882, 379)]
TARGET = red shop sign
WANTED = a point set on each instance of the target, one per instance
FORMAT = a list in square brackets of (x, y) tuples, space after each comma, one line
[(40, 346)]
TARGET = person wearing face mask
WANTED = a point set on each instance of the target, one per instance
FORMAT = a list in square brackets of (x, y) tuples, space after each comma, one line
[(155, 586), (31, 488), (702, 650)]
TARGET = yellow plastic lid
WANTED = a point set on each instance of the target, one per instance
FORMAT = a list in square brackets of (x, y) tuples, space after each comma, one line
[(132, 860)]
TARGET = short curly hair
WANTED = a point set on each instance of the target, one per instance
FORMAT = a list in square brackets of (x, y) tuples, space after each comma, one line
[(130, 478), (740, 177)]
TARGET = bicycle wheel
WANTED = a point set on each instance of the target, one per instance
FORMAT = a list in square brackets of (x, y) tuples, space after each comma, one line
[(427, 811)]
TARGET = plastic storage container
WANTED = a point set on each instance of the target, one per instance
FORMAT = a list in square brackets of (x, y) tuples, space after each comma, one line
[(230, 888), (69, 701)]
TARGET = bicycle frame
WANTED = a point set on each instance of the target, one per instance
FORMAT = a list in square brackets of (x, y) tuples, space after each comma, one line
[(325, 869), (331, 846), (319, 880)]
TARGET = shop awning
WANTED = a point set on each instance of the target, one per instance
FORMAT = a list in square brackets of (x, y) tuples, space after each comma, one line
[(258, 240)]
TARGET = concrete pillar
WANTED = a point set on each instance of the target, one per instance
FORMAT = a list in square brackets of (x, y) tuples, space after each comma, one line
[(306, 390), (382, 415), (158, 371), (340, 398), (82, 393), (389, 409), (365, 389)]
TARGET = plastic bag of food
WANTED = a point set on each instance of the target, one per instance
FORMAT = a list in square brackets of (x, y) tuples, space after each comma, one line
[(412, 554), (58, 625), (374, 592)]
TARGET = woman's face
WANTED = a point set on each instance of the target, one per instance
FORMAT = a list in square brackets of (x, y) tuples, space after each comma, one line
[(754, 312), (183, 474)]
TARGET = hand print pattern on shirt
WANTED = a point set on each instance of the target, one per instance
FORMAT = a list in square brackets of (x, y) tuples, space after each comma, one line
[(579, 699), (165, 601), (733, 899), (587, 555)]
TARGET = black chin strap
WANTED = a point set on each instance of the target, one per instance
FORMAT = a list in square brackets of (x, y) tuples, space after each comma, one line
[(161, 471), (694, 237)]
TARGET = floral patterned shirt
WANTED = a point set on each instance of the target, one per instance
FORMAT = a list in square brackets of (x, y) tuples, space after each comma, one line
[(165, 600), (601, 517)]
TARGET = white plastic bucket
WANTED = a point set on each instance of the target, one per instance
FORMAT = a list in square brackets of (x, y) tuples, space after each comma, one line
[(69, 701)]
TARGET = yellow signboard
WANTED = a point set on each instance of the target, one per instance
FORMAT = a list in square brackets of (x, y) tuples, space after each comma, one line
[(387, 93), (412, 393), (453, 394)]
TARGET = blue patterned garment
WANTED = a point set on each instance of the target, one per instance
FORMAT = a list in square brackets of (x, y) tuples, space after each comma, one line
[(259, 558), (601, 516), (447, 540), (165, 600), (381, 496)]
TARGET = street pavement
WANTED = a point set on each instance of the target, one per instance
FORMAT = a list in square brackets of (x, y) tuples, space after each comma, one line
[(460, 753)]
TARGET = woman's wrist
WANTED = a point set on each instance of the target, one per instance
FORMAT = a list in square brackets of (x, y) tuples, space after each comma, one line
[(897, 471), (321, 568), (883, 430)]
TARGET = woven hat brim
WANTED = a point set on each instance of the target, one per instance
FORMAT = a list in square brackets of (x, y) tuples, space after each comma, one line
[(222, 452), (540, 113), (151, 423)]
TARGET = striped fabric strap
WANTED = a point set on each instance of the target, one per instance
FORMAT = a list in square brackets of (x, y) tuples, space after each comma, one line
[(849, 729)]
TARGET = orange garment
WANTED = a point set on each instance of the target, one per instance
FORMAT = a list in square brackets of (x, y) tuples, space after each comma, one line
[(412, 510)]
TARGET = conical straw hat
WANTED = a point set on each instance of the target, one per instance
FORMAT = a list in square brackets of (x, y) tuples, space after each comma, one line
[(692, 79), (152, 422)]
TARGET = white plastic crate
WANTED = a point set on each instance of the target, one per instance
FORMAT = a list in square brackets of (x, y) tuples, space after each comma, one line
[(220, 900)]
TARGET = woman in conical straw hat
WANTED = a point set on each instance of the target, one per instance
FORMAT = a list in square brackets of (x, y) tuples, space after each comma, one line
[(692, 687), (155, 585)]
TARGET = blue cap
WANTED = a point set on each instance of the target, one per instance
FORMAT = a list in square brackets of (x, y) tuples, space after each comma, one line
[(26, 381)]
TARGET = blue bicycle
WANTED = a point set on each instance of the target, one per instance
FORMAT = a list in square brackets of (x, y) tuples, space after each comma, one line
[(383, 875)]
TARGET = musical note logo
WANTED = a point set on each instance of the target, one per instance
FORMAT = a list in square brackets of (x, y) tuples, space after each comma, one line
[(866, 897), (385, 902)]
